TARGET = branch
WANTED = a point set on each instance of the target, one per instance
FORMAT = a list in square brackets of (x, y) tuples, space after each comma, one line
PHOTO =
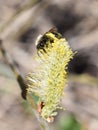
[(12, 65), (24, 7), (23, 21), (23, 86)]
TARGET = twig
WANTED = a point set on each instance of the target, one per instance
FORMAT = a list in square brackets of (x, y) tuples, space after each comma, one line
[(42, 122), (30, 4), (23, 21), (14, 69), (23, 87)]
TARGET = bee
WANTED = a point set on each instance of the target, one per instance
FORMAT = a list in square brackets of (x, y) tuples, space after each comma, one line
[(44, 40)]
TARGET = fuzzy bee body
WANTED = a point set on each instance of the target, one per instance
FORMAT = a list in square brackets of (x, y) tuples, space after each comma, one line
[(46, 39)]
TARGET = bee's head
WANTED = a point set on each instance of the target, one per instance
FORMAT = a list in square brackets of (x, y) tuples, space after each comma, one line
[(42, 42)]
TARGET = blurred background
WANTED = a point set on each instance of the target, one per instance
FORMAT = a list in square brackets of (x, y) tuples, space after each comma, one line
[(20, 23)]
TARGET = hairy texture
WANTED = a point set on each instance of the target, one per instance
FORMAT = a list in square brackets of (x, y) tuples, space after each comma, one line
[(49, 80)]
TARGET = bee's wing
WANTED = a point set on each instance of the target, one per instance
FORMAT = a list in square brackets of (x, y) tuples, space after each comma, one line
[(54, 29)]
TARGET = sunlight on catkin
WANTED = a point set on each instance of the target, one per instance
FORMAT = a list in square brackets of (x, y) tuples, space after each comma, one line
[(49, 79)]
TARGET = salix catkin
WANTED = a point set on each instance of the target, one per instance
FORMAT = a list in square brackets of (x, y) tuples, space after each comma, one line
[(49, 79)]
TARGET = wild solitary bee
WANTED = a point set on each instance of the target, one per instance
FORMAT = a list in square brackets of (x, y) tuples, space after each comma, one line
[(44, 40)]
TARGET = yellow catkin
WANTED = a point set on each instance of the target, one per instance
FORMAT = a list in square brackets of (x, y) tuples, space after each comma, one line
[(49, 80)]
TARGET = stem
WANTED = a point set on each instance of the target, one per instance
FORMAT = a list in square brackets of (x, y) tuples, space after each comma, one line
[(23, 86), (42, 122), (13, 67)]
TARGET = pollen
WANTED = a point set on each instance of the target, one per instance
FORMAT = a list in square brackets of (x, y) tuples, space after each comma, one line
[(50, 78)]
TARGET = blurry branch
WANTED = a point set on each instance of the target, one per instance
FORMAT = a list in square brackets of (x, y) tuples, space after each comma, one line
[(84, 78), (14, 69), (83, 41), (30, 4), (90, 82), (23, 21), (23, 86)]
